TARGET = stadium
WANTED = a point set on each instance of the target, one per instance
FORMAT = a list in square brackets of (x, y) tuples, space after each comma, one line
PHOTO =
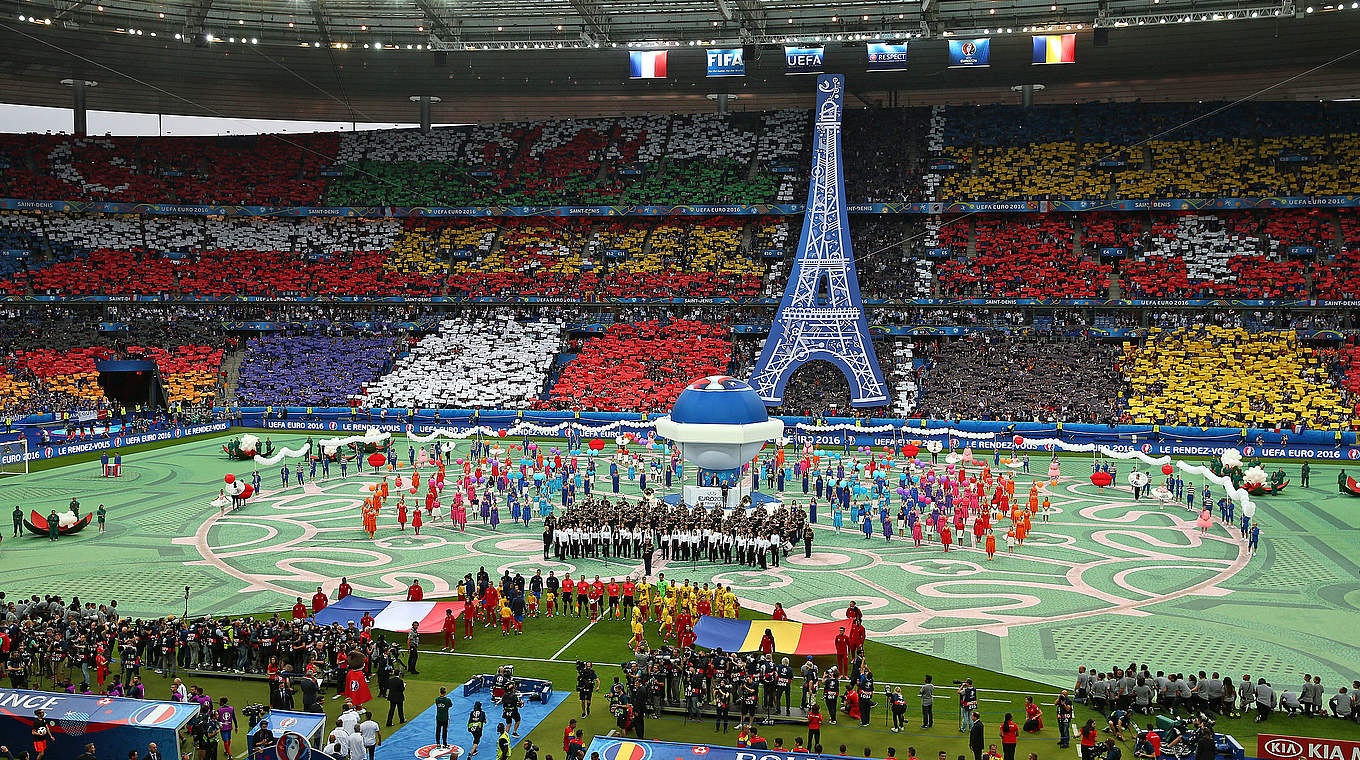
[(725, 379)]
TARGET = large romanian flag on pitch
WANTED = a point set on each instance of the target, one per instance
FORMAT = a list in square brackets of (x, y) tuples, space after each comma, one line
[(789, 637), (1055, 48)]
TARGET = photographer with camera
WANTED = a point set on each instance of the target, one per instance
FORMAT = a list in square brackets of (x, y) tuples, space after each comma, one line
[(587, 682), (967, 703)]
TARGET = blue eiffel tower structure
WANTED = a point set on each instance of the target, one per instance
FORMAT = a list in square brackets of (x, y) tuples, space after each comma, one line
[(821, 315)]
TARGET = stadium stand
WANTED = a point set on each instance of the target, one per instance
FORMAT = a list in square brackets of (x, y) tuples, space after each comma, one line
[(282, 170), (1228, 376), (1019, 258), (640, 366), (481, 363), (1019, 378), (311, 369)]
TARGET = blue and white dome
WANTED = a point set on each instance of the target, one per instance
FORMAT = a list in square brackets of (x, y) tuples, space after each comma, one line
[(719, 400), (720, 423)]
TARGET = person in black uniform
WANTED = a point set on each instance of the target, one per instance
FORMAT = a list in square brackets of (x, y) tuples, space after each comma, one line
[(396, 698)]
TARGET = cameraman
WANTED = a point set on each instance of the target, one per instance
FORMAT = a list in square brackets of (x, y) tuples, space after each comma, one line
[(967, 703), (586, 684)]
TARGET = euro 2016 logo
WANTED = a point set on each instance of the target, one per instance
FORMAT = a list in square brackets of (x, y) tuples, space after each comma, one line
[(969, 49), (438, 752), (292, 746)]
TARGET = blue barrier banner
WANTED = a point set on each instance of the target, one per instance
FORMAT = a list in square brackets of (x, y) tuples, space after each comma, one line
[(967, 54), (766, 209), (40, 452), (803, 60), (1302, 250), (726, 62), (884, 56), (1114, 251), (937, 253)]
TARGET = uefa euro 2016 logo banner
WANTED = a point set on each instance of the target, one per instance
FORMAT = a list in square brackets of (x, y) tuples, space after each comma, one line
[(965, 54)]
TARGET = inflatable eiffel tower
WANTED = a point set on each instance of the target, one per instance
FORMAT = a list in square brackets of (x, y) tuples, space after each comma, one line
[(821, 315)]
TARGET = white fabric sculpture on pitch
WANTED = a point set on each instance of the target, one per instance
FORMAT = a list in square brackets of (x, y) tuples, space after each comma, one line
[(282, 453)]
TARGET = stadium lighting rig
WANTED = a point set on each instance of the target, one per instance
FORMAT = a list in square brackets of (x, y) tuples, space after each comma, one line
[(1284, 9)]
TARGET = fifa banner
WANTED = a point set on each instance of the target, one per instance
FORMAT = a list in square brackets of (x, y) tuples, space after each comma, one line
[(887, 57), (647, 64), (639, 749), (726, 62), (803, 60), (1055, 48), (967, 54), (116, 725), (52, 451), (1275, 747)]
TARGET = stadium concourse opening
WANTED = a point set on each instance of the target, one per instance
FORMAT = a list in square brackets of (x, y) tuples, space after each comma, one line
[(834, 415), (131, 382)]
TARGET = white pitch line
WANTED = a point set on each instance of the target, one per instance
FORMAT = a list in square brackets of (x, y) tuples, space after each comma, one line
[(589, 625)]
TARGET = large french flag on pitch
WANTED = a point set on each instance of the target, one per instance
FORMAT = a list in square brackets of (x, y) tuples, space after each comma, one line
[(389, 616), (1055, 48), (647, 64)]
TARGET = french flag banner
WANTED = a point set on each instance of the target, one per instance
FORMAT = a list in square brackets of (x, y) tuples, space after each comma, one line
[(647, 64)]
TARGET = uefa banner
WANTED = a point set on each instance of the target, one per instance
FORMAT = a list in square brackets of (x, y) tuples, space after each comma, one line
[(725, 62), (884, 56), (803, 60), (968, 54)]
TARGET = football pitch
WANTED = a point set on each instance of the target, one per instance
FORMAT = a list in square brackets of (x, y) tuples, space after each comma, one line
[(1107, 580)]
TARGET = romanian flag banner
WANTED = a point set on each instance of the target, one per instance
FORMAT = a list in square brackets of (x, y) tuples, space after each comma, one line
[(389, 616), (789, 637), (1055, 48)]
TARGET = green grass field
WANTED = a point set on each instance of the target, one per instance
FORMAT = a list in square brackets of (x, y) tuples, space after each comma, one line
[(1109, 581)]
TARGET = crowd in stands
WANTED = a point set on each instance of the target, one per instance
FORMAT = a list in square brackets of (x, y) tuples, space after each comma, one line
[(277, 170), (1093, 151), (48, 355), (1229, 376), (1019, 258), (472, 363), (640, 366), (312, 368), (1296, 254), (1019, 378)]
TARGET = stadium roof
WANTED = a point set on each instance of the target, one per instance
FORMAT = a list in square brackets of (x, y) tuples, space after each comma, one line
[(492, 59)]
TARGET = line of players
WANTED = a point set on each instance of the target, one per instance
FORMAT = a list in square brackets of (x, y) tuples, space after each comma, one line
[(513, 598)]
